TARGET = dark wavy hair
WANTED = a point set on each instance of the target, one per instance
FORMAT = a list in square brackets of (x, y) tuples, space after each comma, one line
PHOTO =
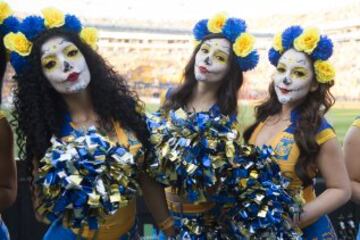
[(226, 94), (311, 111), (39, 109), (2, 65)]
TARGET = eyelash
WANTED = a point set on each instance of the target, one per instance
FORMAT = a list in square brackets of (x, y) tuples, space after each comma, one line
[(281, 69), (50, 64), (204, 50), (299, 74), (72, 53)]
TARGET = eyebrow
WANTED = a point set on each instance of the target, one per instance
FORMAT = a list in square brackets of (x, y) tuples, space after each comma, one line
[(46, 50)]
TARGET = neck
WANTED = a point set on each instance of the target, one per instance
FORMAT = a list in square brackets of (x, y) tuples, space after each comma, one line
[(205, 93), (79, 103)]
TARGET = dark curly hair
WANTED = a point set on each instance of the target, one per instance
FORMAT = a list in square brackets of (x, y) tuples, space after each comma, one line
[(39, 109), (311, 111), (2, 65), (227, 92)]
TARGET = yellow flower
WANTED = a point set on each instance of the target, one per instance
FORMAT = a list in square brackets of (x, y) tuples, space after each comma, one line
[(5, 11), (17, 42), (244, 44), (53, 17), (324, 71), (307, 41), (277, 44), (90, 36), (216, 23)]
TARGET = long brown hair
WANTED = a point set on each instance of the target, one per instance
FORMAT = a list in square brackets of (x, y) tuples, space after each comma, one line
[(226, 94), (310, 114)]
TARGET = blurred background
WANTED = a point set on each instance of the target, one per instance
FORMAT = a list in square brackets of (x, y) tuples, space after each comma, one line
[(150, 42)]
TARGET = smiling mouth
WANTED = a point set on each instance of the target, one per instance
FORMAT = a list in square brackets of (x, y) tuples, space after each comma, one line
[(73, 77), (284, 90)]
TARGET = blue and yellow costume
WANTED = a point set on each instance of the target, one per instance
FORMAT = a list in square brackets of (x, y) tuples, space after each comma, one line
[(287, 153), (4, 233), (120, 226)]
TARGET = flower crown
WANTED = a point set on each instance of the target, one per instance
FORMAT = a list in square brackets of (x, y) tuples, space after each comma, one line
[(8, 23), (19, 42), (318, 47), (234, 30)]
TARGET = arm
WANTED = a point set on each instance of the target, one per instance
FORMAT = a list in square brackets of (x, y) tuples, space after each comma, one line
[(155, 200), (8, 184), (352, 160), (332, 167)]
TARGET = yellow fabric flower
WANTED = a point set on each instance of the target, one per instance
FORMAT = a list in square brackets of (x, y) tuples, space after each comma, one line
[(277, 44), (216, 23), (307, 41), (17, 42), (53, 17), (244, 44), (324, 71), (5, 11), (89, 35)]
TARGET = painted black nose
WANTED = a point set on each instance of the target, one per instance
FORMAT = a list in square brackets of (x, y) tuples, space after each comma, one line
[(207, 61), (67, 66), (286, 81)]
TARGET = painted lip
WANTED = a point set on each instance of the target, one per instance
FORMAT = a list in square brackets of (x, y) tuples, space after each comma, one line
[(284, 90), (203, 69), (73, 77)]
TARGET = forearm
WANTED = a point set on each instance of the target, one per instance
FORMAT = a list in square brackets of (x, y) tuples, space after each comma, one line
[(7, 197), (155, 200), (355, 189), (328, 201)]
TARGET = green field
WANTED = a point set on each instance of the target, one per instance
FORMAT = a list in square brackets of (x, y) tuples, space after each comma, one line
[(340, 117)]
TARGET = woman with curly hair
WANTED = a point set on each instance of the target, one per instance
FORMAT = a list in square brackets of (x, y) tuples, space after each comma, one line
[(63, 88), (292, 121), (8, 183)]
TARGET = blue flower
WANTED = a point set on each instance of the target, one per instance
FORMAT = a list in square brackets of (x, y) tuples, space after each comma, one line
[(18, 62), (248, 62), (324, 49), (10, 24), (200, 29), (72, 23), (289, 36), (233, 28), (274, 56), (32, 26)]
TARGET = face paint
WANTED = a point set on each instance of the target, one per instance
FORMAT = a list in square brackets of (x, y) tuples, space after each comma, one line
[(212, 60), (64, 66), (293, 78)]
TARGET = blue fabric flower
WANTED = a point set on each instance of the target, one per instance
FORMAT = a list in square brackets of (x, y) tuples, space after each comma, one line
[(72, 23), (201, 30), (233, 28), (248, 62), (18, 62), (324, 49), (274, 56), (32, 26), (289, 36), (10, 24)]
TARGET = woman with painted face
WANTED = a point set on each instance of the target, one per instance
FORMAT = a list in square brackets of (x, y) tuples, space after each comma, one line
[(8, 184), (81, 131), (292, 121), (195, 133), (351, 151)]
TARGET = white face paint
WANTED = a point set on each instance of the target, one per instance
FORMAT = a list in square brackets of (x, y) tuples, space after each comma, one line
[(212, 60), (293, 78), (64, 66)]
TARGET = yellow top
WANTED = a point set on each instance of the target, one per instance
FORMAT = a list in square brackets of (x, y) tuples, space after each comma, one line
[(356, 122), (287, 153), (2, 115), (122, 221)]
